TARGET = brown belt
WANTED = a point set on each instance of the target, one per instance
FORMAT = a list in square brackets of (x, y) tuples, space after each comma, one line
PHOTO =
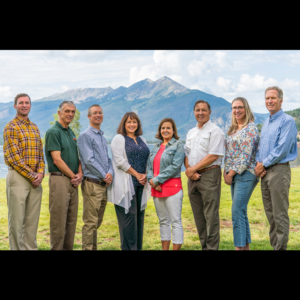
[(205, 169), (287, 163), (101, 182), (57, 174)]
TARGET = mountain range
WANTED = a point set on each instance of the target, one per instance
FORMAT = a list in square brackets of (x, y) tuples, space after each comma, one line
[(151, 100)]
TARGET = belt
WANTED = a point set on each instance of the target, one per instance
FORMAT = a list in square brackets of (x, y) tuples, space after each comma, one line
[(205, 169), (287, 163), (57, 174), (101, 182)]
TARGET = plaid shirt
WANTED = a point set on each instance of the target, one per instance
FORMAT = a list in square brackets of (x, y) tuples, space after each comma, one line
[(23, 147)]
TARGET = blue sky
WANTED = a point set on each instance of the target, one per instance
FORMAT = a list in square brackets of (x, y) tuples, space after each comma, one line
[(223, 73)]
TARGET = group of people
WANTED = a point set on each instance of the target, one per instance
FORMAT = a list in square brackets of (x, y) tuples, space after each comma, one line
[(134, 174)]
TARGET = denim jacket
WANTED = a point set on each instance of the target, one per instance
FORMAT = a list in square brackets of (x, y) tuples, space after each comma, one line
[(170, 162)]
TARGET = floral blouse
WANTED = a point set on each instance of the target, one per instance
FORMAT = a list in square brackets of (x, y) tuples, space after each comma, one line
[(240, 149)]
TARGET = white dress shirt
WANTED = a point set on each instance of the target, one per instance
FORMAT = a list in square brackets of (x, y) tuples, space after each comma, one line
[(209, 139)]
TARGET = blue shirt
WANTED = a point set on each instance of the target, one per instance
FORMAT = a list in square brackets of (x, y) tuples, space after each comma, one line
[(93, 154), (278, 140), (137, 155)]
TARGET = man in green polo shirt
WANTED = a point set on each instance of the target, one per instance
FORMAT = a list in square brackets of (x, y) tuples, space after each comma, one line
[(65, 176)]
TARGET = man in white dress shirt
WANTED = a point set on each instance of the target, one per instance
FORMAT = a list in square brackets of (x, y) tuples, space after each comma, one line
[(204, 150)]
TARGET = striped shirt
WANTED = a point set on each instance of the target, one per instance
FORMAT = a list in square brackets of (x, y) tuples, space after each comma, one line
[(23, 147), (93, 154), (278, 141)]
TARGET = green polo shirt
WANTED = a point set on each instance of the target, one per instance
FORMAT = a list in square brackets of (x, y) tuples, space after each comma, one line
[(61, 139)]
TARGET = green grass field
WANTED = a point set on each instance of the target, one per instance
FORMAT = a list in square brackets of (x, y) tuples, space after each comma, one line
[(108, 233)]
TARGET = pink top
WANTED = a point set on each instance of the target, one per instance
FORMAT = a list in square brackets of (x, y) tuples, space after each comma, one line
[(171, 186)]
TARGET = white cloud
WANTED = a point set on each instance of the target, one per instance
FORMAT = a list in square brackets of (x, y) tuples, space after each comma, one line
[(5, 91), (65, 88), (294, 58), (254, 84), (289, 84), (223, 83), (196, 68), (221, 59)]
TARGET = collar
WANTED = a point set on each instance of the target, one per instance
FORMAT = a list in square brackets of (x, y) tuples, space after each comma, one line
[(170, 142), (21, 120), (60, 126), (95, 130), (206, 124), (275, 116)]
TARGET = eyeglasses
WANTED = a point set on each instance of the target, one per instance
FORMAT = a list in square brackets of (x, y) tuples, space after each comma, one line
[(101, 114), (237, 108)]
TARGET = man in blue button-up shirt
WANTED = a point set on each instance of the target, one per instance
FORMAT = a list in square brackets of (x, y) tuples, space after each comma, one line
[(98, 174), (278, 146)]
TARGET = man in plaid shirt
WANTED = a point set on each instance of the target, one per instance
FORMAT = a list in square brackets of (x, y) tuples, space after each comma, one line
[(23, 153)]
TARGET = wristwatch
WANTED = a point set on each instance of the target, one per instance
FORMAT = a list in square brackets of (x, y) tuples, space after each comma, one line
[(262, 164)]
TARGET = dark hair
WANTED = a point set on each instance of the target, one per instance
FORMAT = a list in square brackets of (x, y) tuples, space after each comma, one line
[(21, 95), (175, 134), (202, 101), (121, 129)]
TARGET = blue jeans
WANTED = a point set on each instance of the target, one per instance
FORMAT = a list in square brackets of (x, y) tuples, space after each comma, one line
[(241, 190)]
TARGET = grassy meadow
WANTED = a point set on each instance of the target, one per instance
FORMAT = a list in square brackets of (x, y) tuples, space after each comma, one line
[(108, 233)]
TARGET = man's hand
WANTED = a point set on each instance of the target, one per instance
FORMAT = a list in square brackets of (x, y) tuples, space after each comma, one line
[(263, 174), (189, 172), (38, 180), (195, 177), (108, 179), (76, 180), (259, 169)]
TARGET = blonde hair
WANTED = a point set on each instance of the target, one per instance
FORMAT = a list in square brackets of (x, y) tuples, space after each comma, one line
[(248, 118)]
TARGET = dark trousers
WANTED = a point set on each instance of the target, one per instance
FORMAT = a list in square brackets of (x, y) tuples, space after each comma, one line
[(204, 196), (131, 225)]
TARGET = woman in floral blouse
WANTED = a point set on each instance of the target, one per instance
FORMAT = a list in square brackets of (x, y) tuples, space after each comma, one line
[(241, 146)]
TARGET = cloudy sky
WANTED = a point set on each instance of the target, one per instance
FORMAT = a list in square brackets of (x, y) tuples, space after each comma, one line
[(223, 73)]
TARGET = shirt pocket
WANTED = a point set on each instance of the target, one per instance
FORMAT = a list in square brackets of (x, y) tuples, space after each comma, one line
[(204, 141)]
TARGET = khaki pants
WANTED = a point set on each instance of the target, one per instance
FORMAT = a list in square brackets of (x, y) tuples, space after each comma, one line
[(24, 205), (94, 203), (275, 193), (204, 196), (63, 207)]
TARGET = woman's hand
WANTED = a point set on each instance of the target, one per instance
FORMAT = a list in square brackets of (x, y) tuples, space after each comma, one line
[(141, 178), (158, 188), (151, 183), (228, 179)]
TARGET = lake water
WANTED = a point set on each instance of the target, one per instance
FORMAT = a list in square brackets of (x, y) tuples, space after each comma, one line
[(4, 170)]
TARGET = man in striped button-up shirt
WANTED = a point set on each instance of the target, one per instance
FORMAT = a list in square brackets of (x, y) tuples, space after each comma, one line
[(23, 153), (278, 146)]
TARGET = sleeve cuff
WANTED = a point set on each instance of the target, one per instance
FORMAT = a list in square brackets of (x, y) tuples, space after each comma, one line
[(155, 181), (266, 162)]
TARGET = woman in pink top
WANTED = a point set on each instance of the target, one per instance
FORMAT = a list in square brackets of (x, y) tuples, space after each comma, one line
[(164, 176)]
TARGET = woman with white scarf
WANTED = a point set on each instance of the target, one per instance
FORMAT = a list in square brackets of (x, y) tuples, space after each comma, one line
[(129, 190)]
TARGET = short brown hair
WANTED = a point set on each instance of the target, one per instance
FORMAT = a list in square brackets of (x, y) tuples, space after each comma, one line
[(202, 101), (21, 95), (121, 129), (94, 105), (175, 134), (276, 88)]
